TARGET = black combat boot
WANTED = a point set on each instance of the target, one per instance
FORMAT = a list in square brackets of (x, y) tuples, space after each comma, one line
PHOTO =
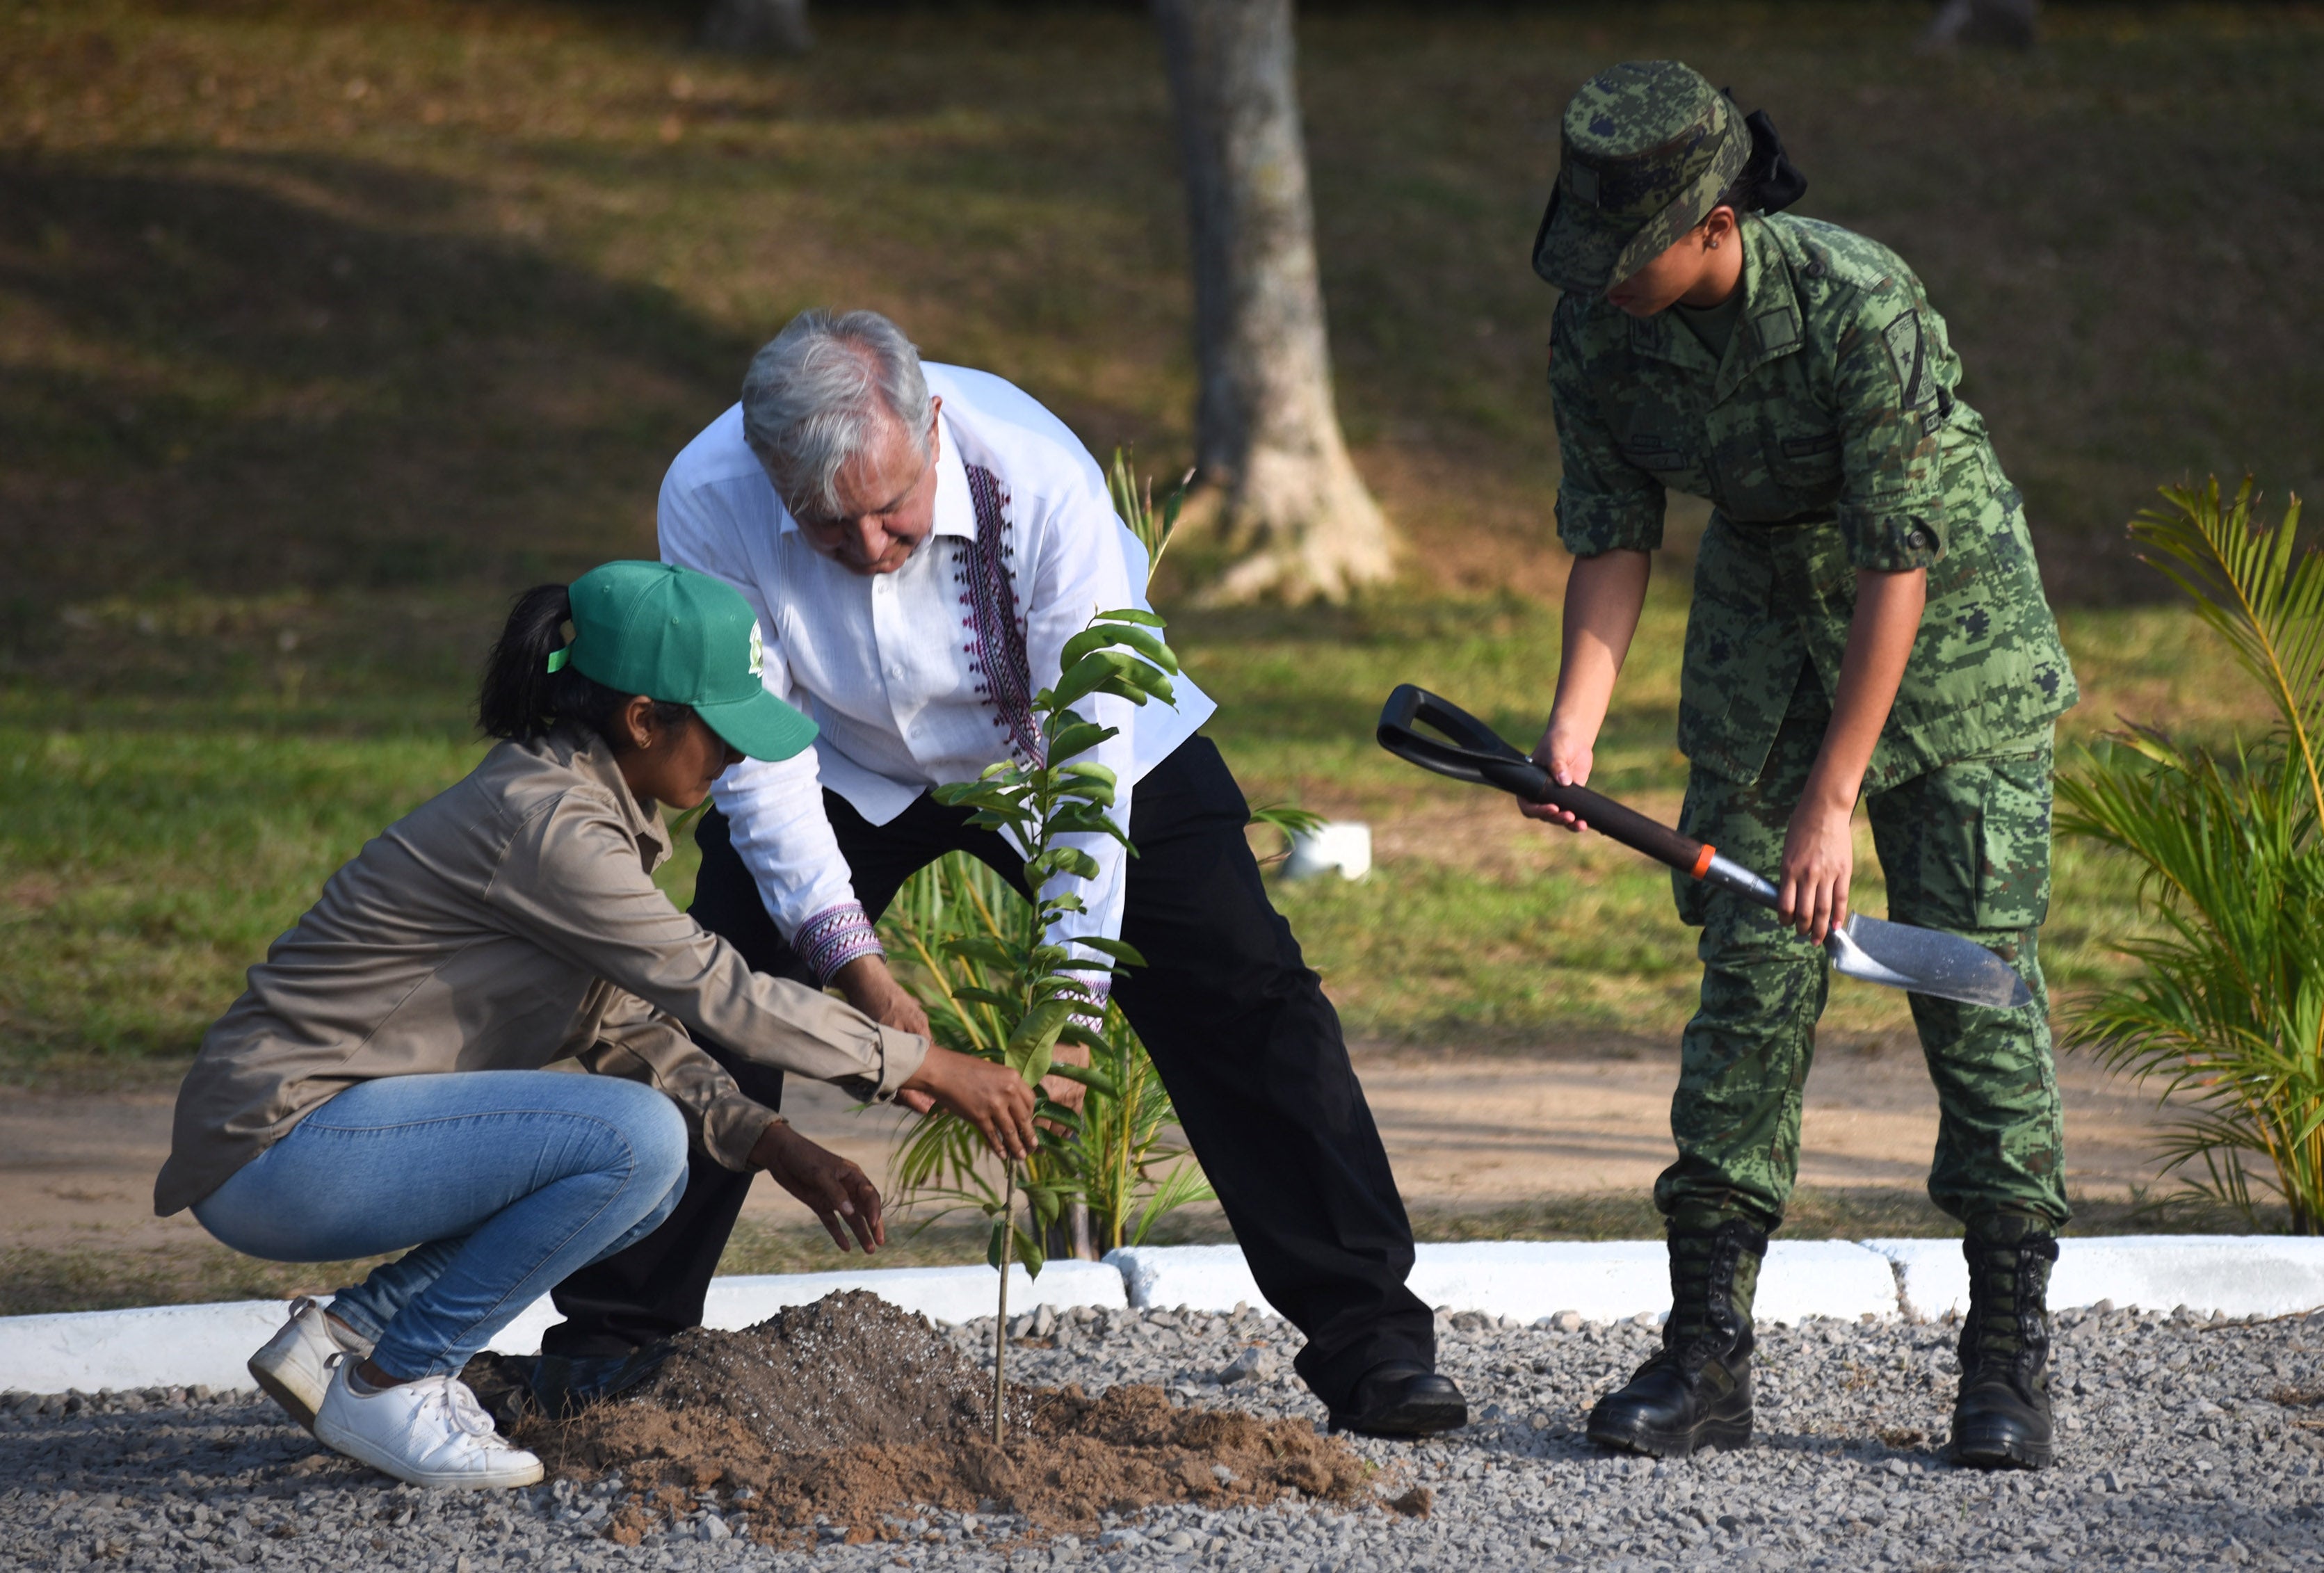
[(1697, 1392), (2001, 1420)]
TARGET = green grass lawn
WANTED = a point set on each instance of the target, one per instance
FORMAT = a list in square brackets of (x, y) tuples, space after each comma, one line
[(152, 839)]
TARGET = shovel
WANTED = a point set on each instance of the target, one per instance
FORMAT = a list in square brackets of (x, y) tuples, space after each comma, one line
[(1920, 960)]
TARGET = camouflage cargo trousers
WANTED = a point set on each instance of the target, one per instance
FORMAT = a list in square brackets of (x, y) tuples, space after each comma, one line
[(1965, 849)]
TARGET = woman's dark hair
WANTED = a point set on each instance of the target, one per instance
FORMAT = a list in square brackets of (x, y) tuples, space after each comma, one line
[(522, 698), (1770, 182)]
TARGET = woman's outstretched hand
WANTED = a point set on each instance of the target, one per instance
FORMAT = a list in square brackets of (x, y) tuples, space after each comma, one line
[(834, 1190), (991, 1097)]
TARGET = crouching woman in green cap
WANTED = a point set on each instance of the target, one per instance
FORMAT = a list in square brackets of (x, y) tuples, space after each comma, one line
[(381, 1086), (1867, 622)]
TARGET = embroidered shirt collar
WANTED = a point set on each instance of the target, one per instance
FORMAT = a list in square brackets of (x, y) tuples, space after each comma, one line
[(955, 511)]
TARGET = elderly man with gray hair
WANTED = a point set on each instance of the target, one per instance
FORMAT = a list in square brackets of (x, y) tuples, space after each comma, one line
[(919, 542)]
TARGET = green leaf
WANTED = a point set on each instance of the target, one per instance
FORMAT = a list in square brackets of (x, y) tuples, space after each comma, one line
[(1092, 672), (1149, 646), (1060, 860), (1035, 1039), (993, 1247), (1094, 637), (1288, 820), (1084, 819), (1132, 614), (1077, 737), (1088, 1076), (1108, 635), (1044, 1202), (1029, 1252), (977, 948), (1122, 950)]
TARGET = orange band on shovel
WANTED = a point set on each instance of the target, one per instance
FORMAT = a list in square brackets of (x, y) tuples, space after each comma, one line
[(1702, 861)]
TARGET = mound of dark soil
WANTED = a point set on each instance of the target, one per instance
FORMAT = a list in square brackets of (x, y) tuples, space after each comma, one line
[(853, 1409)]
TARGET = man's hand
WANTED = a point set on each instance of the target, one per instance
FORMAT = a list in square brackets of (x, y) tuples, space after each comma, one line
[(992, 1097), (1819, 859), (834, 1189), (873, 989), (1566, 752), (1060, 1090)]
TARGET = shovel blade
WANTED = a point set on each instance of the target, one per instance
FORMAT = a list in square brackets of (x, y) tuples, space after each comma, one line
[(1925, 962)]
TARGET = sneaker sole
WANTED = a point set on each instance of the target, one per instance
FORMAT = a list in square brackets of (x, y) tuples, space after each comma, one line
[(1723, 1436), (363, 1452), (292, 1403)]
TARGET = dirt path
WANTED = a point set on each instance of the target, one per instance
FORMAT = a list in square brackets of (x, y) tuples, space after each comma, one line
[(1486, 1131)]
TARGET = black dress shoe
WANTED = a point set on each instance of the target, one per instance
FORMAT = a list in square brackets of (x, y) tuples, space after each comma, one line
[(1401, 1399), (562, 1387)]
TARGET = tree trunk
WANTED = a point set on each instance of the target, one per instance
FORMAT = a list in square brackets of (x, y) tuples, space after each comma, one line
[(758, 27), (1071, 1237), (1266, 432)]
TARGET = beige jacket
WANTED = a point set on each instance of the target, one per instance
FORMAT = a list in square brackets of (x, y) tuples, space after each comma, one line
[(507, 922)]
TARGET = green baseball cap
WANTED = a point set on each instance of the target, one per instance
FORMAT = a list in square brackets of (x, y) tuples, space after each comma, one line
[(1648, 148), (675, 635)]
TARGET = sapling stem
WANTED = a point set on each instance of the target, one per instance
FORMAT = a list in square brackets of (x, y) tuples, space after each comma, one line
[(1000, 1319)]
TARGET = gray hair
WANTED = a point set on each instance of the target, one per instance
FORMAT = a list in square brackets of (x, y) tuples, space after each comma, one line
[(816, 394)]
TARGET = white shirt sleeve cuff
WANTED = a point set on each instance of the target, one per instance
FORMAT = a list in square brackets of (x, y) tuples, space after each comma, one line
[(834, 937)]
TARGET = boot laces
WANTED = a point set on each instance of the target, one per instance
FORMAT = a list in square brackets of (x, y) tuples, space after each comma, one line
[(2009, 1284)]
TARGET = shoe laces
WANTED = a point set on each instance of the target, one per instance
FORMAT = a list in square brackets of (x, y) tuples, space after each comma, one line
[(450, 1397), (445, 1396)]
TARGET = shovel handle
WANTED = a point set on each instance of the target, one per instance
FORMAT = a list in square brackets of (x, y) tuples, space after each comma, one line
[(1480, 754)]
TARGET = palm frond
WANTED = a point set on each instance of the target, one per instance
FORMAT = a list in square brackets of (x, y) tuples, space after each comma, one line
[(2258, 591), (2226, 1012)]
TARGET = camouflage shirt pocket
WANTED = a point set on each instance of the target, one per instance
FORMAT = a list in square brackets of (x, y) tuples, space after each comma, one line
[(1808, 467), (1668, 458)]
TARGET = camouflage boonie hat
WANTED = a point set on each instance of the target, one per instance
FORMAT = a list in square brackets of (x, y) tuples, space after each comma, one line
[(1648, 148)]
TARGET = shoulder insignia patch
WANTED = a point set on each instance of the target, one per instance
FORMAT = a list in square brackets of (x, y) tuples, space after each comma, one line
[(1905, 348)]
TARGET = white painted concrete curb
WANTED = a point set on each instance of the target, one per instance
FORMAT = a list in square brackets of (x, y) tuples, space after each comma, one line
[(1531, 1279), (2234, 1274), (184, 1344), (180, 1346)]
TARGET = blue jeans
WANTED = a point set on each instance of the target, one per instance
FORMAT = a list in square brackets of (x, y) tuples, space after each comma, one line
[(502, 1181)]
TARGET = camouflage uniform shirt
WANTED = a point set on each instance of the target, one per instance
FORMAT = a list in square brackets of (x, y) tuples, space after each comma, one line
[(1827, 439)]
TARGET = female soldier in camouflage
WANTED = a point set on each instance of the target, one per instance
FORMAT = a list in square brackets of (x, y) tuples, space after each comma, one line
[(1868, 620)]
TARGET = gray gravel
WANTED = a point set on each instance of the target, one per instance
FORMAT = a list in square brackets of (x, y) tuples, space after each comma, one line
[(2177, 1455)]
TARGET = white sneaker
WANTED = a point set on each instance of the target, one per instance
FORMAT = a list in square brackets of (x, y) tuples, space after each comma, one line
[(294, 1366), (429, 1431)]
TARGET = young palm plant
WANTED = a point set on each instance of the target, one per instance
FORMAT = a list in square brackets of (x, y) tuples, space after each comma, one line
[(2229, 1010)]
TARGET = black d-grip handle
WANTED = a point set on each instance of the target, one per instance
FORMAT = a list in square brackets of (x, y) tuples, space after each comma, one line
[(1467, 750)]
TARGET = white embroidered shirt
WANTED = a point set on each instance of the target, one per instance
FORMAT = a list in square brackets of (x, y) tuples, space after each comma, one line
[(925, 675)]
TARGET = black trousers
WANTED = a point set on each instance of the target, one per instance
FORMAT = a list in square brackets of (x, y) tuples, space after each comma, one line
[(1236, 1022)]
